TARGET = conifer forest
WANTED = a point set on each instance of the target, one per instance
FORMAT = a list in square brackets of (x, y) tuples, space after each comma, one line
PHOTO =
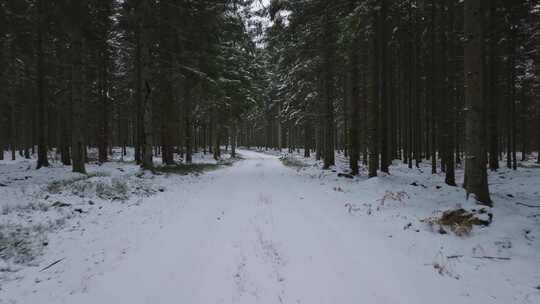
[(269, 151)]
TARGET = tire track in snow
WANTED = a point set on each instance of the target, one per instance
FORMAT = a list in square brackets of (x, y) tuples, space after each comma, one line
[(270, 253)]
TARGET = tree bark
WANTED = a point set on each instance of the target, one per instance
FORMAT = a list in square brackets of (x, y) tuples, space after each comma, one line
[(354, 72), (233, 140), (78, 146), (383, 85), (431, 91), (188, 132), (307, 140), (373, 101), (104, 127), (449, 94), (42, 160), (475, 165), (147, 161), (167, 103), (492, 94), (13, 128), (329, 159)]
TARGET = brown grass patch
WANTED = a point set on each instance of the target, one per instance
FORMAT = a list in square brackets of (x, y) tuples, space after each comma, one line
[(459, 221)]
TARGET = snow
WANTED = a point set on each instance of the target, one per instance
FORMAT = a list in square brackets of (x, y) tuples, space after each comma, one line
[(262, 232)]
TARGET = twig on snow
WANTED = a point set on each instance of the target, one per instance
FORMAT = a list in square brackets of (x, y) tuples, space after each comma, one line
[(52, 264), (492, 258), (527, 205)]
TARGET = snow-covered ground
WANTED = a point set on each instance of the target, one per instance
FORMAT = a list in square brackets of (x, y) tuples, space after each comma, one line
[(262, 232)]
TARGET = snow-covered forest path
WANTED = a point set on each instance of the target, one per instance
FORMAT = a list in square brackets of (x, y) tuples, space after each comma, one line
[(255, 232)]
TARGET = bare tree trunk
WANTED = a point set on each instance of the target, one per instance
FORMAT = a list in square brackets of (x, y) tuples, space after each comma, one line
[(138, 117), (475, 165), (431, 92), (215, 134), (318, 142), (104, 127), (364, 95), (449, 95), (307, 140), (77, 138), (233, 140), (147, 162), (373, 101), (211, 134), (538, 139), (2, 145), (513, 96), (355, 107), (65, 127), (329, 158), (492, 92), (42, 161), (13, 128), (383, 85), (166, 94), (188, 131)]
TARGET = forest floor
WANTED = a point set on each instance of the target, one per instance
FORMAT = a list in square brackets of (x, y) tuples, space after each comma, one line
[(264, 229)]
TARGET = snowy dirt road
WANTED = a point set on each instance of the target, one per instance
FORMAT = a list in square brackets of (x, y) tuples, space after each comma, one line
[(256, 232)]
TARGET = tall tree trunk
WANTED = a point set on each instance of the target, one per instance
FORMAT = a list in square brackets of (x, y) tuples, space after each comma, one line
[(65, 129), (383, 85), (215, 133), (42, 160), (188, 129), (414, 90), (138, 117), (538, 135), (147, 161), (365, 92), (476, 182), (431, 91), (355, 106), (2, 145), (329, 159), (512, 92), (77, 138), (104, 125), (233, 140), (307, 140), (13, 130), (450, 93), (524, 122), (166, 94), (492, 94), (373, 101)]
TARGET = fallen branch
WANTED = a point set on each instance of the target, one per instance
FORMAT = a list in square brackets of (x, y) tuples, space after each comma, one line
[(492, 258), (454, 256), (527, 205), (52, 264)]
